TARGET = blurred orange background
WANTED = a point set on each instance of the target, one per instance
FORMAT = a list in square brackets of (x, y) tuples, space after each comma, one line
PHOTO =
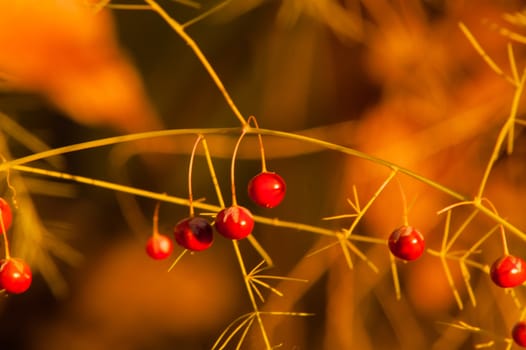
[(394, 79)]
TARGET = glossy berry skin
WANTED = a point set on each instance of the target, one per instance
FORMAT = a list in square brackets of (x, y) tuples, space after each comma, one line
[(267, 189), (519, 334), (15, 275), (7, 214), (508, 271), (406, 243), (234, 222), (194, 233), (159, 246)]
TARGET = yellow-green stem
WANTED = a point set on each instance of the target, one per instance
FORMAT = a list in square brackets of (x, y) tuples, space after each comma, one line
[(405, 214), (190, 171), (155, 230), (4, 235), (362, 212), (261, 148), (506, 129), (212, 171), (251, 294), (179, 29), (233, 167)]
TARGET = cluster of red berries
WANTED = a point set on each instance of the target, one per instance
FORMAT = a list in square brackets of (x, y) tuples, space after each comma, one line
[(267, 189), (15, 273), (408, 244), (508, 271)]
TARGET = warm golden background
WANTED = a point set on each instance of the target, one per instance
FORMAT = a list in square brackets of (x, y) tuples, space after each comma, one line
[(395, 79)]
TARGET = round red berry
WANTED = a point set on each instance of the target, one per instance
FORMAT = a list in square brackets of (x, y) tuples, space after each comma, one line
[(159, 246), (194, 233), (7, 214), (15, 275), (406, 243), (267, 189), (519, 333), (235, 222), (508, 271)]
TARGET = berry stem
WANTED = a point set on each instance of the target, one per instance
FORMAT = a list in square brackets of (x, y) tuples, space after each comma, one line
[(232, 167), (156, 219), (261, 148), (4, 235), (190, 168), (8, 182), (404, 204), (180, 30)]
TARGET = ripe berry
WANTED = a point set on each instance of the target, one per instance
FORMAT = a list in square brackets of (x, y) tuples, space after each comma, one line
[(7, 214), (267, 189), (406, 243), (519, 333), (15, 275), (235, 222), (159, 247), (194, 233), (508, 271)]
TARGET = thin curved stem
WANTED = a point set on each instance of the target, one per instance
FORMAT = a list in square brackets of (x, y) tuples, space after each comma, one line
[(155, 230), (205, 14), (190, 171), (178, 132), (506, 129), (233, 168), (16, 163), (4, 236), (179, 29), (261, 147), (251, 294)]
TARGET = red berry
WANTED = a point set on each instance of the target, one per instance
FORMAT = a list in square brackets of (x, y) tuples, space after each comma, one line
[(7, 214), (159, 247), (508, 271), (194, 233), (15, 275), (267, 189), (235, 222), (519, 333), (406, 243)]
